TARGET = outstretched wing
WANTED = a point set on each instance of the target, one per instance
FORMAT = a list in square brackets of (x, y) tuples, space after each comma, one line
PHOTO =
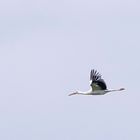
[(97, 83)]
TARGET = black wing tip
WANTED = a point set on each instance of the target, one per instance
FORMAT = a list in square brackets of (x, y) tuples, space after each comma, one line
[(95, 75)]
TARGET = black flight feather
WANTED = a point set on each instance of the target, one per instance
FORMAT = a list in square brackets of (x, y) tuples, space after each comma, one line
[(96, 79)]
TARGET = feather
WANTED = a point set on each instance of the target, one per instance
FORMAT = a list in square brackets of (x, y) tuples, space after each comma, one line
[(97, 83)]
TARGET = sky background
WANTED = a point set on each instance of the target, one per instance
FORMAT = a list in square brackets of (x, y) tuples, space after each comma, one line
[(47, 49)]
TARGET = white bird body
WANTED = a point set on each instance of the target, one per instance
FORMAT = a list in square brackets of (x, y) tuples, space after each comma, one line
[(97, 92), (98, 86)]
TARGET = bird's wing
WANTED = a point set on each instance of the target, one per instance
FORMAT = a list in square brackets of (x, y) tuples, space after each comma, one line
[(97, 83)]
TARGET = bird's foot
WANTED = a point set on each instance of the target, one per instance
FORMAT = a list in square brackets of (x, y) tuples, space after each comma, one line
[(122, 88)]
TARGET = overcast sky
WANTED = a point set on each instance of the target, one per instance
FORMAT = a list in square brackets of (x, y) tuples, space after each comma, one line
[(47, 49)]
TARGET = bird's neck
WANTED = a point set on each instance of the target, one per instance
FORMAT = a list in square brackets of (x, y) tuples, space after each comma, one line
[(84, 92)]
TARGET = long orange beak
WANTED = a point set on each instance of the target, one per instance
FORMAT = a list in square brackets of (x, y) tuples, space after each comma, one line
[(72, 94)]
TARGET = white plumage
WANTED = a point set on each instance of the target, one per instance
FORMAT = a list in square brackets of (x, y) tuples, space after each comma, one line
[(98, 85)]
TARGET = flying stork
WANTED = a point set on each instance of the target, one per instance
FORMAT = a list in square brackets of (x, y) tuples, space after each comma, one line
[(98, 85)]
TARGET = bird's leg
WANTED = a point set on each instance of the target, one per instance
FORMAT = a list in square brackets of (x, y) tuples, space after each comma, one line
[(116, 90), (122, 89)]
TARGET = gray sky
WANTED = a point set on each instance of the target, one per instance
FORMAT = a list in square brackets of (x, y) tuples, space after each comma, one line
[(47, 49)]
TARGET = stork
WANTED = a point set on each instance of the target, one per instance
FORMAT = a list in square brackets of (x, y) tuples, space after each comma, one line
[(98, 85)]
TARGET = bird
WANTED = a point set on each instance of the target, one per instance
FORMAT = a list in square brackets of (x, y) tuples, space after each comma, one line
[(98, 85)]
